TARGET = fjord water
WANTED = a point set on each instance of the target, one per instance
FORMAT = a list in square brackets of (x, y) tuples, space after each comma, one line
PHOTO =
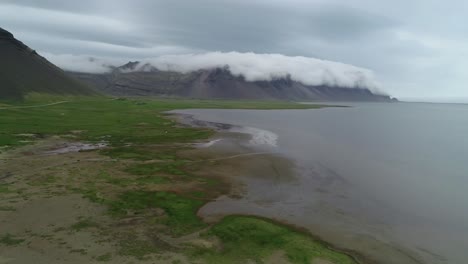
[(389, 180)]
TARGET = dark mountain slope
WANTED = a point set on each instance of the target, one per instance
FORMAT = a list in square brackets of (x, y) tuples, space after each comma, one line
[(23, 71), (214, 83)]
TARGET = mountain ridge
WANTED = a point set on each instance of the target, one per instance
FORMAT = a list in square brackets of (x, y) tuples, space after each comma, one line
[(23, 71), (215, 83)]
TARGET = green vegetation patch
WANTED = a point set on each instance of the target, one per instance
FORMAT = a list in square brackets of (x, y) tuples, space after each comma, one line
[(136, 153), (141, 181), (118, 122), (181, 212), (4, 188), (147, 180), (92, 194), (152, 180), (100, 119), (10, 240), (7, 208), (83, 224), (142, 153), (198, 194), (172, 168), (104, 258), (248, 238)]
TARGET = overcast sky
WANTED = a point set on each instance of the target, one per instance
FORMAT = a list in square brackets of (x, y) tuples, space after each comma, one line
[(416, 48)]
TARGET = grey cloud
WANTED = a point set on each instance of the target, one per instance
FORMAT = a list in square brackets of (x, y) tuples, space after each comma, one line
[(401, 41), (70, 25), (243, 26), (344, 24), (85, 6)]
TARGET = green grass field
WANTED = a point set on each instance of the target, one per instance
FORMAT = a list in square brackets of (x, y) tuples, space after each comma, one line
[(256, 239), (117, 121)]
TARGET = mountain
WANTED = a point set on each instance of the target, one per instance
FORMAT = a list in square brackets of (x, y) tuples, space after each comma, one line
[(23, 71), (132, 79)]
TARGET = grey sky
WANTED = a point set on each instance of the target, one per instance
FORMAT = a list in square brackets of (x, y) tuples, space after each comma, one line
[(416, 48)]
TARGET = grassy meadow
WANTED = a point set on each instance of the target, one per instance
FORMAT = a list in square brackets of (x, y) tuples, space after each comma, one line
[(117, 121)]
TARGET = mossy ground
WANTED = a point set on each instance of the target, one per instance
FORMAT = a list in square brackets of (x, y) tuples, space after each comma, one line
[(149, 190), (10, 240), (256, 239)]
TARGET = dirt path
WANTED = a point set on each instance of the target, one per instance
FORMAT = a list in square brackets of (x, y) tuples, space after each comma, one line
[(33, 106)]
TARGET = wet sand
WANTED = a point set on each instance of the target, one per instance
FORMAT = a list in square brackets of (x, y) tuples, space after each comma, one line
[(282, 192)]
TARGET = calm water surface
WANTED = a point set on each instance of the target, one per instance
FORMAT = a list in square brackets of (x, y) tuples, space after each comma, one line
[(387, 180)]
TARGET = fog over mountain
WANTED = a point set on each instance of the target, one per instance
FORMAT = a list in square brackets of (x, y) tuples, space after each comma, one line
[(267, 67), (415, 48), (251, 66)]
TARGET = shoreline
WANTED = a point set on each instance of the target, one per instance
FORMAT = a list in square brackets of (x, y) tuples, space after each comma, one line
[(220, 128), (372, 249)]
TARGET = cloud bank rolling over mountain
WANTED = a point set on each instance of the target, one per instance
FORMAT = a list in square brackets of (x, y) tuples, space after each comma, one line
[(414, 48), (251, 66)]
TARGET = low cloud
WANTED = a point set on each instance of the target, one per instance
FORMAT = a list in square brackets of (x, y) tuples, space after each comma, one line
[(417, 52), (78, 63), (267, 67), (252, 66)]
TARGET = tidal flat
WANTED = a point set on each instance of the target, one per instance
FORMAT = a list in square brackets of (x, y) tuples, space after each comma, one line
[(134, 197), (377, 178)]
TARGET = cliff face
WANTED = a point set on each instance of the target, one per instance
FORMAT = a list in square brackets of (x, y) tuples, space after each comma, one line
[(23, 71), (214, 83)]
